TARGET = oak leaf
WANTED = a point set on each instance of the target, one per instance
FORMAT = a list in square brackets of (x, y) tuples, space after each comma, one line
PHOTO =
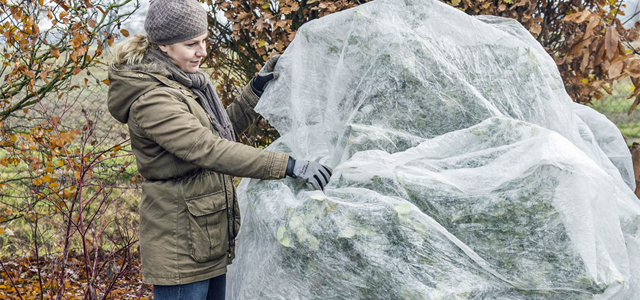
[(611, 40), (615, 69)]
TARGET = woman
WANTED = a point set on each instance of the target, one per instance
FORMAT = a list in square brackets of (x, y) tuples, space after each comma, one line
[(184, 143)]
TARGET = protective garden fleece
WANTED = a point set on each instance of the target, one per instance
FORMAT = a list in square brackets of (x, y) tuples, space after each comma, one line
[(460, 169)]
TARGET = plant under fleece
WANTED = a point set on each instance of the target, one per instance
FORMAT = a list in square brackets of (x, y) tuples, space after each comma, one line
[(460, 169)]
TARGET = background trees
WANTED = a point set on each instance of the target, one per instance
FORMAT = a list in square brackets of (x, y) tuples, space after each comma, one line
[(586, 39), (46, 42), (64, 230), (249, 33)]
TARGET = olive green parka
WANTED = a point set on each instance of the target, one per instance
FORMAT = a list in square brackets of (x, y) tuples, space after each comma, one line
[(188, 200)]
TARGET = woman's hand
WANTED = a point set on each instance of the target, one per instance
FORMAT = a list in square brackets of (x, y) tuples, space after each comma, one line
[(313, 172), (266, 74)]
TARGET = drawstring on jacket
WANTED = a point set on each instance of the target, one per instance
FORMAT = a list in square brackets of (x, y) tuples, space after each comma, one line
[(230, 223)]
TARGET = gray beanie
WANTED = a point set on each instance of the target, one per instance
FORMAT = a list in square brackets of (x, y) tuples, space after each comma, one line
[(173, 21)]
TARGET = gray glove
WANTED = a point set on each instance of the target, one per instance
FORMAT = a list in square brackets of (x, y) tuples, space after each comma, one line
[(266, 74), (311, 171)]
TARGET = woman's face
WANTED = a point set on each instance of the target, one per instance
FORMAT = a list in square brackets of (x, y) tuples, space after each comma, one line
[(187, 54)]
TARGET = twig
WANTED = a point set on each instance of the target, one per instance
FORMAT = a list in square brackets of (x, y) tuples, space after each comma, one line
[(35, 241), (11, 279), (615, 16), (142, 288)]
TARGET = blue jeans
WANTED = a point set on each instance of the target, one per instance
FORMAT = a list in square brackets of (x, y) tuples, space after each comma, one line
[(210, 289)]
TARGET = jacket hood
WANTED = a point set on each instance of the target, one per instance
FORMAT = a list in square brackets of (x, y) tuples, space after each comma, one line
[(128, 82)]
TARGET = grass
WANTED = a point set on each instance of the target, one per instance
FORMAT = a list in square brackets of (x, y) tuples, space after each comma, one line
[(44, 224), (616, 107), (22, 206)]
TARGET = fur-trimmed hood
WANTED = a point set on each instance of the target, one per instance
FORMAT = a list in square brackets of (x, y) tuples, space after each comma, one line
[(128, 82)]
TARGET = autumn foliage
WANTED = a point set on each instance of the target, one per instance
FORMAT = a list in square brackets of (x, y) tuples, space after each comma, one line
[(249, 34), (67, 186), (35, 61), (63, 228), (67, 176), (586, 39)]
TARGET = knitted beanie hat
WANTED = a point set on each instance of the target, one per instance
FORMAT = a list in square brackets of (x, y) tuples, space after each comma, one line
[(173, 21)]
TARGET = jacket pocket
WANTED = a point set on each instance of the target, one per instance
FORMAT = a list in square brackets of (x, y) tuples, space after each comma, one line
[(208, 225)]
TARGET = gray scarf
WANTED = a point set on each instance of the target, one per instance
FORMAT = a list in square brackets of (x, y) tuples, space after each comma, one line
[(200, 84)]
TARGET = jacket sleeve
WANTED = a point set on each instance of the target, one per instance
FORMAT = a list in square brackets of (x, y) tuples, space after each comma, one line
[(167, 121), (241, 111)]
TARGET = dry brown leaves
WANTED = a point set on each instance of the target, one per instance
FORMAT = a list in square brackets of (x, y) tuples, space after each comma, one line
[(32, 283)]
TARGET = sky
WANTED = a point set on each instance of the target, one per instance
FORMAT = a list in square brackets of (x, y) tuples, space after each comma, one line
[(632, 7), (135, 24)]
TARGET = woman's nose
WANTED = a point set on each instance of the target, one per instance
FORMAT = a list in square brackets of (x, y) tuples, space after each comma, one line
[(202, 51)]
